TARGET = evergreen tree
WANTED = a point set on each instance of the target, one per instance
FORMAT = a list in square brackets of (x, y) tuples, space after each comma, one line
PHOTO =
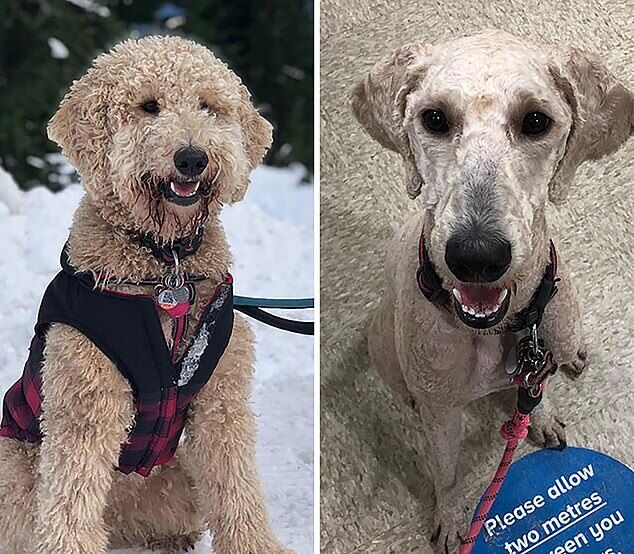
[(45, 44), (269, 43), (32, 80)]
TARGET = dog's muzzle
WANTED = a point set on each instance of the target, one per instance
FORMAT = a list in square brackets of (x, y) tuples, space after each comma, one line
[(481, 306)]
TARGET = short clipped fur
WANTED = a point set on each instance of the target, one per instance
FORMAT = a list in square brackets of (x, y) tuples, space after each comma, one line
[(484, 82), (65, 495)]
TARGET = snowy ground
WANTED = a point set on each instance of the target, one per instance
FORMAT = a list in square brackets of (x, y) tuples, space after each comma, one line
[(271, 234)]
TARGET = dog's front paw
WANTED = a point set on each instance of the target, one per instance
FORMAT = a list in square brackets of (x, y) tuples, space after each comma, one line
[(448, 528), (250, 545), (547, 430), (176, 544), (574, 368)]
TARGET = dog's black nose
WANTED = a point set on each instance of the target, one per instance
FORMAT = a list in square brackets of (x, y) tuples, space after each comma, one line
[(190, 161), (478, 259)]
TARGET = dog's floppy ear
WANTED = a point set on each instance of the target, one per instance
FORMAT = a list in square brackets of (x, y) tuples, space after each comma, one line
[(378, 102), (80, 126), (602, 114), (258, 136)]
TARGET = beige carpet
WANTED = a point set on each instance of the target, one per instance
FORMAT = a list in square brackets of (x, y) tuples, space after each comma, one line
[(375, 496)]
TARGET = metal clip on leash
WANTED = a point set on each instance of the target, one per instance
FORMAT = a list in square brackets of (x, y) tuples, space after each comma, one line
[(534, 365)]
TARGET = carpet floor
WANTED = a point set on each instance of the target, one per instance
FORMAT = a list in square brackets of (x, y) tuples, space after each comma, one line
[(375, 495)]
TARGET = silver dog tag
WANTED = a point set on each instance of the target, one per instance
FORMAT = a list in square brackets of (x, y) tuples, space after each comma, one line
[(171, 297), (511, 361), (182, 294)]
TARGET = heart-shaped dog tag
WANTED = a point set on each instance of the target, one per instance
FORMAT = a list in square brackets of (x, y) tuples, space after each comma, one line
[(176, 302), (166, 299), (179, 310)]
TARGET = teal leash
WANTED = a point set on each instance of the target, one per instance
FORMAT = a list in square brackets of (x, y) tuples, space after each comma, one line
[(272, 303), (255, 308)]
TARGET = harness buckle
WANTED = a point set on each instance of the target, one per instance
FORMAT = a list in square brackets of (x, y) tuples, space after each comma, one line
[(535, 364)]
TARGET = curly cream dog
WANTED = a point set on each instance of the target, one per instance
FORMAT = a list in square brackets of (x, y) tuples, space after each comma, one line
[(121, 125), (490, 127)]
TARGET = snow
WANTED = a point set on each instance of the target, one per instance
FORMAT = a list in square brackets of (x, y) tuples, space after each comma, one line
[(58, 49), (11, 197), (271, 235), (34, 161), (91, 6)]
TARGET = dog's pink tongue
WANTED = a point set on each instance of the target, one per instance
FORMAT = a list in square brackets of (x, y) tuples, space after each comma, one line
[(477, 295), (185, 189)]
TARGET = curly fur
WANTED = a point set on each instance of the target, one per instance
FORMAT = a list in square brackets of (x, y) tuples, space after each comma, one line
[(65, 495), (485, 83), (115, 146)]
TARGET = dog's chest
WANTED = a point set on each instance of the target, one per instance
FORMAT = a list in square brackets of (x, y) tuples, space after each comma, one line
[(473, 365), (202, 292), (488, 354), (190, 321), (486, 372)]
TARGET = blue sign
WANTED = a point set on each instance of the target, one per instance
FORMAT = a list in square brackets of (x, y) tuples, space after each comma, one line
[(556, 502)]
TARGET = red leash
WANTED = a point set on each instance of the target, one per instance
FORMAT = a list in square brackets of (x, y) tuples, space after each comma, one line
[(534, 365), (512, 431)]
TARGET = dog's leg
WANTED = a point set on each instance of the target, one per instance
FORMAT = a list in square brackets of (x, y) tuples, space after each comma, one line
[(173, 544), (220, 443), (382, 349), (159, 512), (562, 333), (561, 327), (442, 433), (18, 463), (87, 408), (547, 429)]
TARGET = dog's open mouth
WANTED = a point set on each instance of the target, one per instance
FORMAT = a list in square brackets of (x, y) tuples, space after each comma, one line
[(479, 306), (183, 193)]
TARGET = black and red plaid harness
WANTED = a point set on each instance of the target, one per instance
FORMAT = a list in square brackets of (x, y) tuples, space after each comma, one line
[(127, 329)]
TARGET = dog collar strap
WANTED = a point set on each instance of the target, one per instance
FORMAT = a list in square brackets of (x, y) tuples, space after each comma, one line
[(428, 280), (89, 281), (430, 285), (182, 247), (532, 315)]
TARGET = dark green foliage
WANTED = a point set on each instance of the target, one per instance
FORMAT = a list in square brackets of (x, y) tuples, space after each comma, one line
[(269, 43), (32, 82)]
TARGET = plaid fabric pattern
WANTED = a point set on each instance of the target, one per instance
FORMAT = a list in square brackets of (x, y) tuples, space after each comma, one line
[(160, 416), (159, 420), (23, 402), (157, 431)]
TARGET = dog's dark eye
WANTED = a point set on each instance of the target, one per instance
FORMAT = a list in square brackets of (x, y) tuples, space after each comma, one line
[(207, 108), (151, 106), (435, 121), (536, 123)]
